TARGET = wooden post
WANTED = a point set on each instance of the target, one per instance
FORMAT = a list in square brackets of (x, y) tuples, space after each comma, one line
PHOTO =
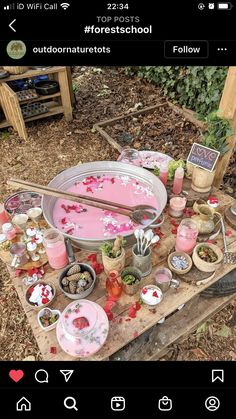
[(65, 94), (227, 109), (72, 95)]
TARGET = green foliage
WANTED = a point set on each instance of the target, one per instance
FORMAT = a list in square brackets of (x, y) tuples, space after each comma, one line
[(196, 88), (129, 279), (156, 171), (108, 249), (4, 135), (218, 130), (172, 166)]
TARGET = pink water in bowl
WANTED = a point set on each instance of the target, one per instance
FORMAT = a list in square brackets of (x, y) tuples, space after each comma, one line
[(93, 223)]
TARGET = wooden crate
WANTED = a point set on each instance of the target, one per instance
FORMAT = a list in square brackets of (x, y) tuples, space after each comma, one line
[(60, 103)]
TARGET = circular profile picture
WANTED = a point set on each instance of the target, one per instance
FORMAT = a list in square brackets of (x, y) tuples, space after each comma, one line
[(16, 49)]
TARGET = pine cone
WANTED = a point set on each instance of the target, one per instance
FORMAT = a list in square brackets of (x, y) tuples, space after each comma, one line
[(73, 270), (64, 282), (87, 275), (72, 287), (74, 277), (79, 290)]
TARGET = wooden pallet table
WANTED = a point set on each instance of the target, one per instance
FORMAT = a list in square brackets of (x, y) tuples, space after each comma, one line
[(56, 103), (125, 334)]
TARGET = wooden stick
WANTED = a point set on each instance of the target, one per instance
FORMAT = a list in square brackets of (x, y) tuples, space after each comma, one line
[(46, 190)]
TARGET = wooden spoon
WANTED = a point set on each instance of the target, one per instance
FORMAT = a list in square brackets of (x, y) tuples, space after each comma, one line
[(138, 213)]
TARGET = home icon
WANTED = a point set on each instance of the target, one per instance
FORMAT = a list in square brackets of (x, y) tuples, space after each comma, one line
[(23, 405)]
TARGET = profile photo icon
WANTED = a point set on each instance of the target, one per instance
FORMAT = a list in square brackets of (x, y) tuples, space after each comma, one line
[(212, 403)]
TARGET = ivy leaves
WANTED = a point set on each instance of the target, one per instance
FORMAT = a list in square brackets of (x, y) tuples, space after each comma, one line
[(197, 88)]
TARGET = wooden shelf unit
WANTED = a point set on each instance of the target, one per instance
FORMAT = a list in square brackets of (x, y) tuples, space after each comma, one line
[(11, 106)]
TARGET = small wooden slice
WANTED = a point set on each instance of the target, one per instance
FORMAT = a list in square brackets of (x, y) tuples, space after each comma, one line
[(6, 258), (195, 277)]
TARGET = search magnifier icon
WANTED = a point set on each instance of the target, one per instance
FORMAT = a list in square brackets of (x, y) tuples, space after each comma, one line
[(70, 403)]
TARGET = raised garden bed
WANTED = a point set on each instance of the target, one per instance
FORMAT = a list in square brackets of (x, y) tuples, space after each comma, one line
[(163, 127)]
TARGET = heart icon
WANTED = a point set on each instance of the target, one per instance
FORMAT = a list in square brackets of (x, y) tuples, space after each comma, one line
[(16, 375)]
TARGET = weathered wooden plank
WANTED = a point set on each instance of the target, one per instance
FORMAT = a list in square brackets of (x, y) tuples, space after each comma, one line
[(123, 329)]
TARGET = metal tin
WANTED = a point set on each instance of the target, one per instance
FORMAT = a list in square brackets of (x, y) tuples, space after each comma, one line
[(68, 177), (142, 262)]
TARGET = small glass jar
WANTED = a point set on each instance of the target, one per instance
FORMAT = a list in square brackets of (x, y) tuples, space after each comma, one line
[(114, 284), (9, 231), (176, 206), (55, 248), (186, 238), (130, 156), (19, 255), (32, 249)]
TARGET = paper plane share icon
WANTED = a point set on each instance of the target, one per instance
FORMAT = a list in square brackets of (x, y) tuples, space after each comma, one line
[(67, 374)]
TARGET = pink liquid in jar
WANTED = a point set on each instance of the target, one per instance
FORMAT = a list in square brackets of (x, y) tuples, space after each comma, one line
[(163, 173), (178, 181), (186, 238), (162, 278), (55, 249), (3, 215), (57, 256)]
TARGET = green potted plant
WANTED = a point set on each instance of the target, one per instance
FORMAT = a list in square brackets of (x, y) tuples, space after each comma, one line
[(113, 255), (215, 137), (131, 278)]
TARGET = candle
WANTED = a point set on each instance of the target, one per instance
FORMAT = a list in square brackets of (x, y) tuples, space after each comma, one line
[(176, 206), (3, 215)]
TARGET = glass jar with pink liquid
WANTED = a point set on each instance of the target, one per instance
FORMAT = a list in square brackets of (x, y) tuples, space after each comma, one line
[(186, 238), (55, 248)]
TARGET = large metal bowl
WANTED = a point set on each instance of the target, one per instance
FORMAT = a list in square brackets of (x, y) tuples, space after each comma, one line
[(68, 177)]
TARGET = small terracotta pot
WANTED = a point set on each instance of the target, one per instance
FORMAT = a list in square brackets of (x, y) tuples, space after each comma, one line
[(116, 264), (202, 179)]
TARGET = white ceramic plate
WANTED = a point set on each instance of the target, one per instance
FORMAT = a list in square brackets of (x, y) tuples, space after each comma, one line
[(150, 159)]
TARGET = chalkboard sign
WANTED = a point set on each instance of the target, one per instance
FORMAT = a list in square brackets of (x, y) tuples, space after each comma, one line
[(203, 157)]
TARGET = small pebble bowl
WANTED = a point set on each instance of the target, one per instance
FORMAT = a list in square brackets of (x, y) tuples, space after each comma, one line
[(179, 255)]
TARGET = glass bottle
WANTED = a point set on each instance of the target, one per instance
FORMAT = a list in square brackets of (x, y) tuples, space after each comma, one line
[(130, 156), (114, 284), (164, 173), (186, 238), (55, 248), (178, 181)]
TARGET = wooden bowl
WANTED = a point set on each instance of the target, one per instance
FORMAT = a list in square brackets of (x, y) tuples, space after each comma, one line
[(207, 266), (43, 305), (180, 271)]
